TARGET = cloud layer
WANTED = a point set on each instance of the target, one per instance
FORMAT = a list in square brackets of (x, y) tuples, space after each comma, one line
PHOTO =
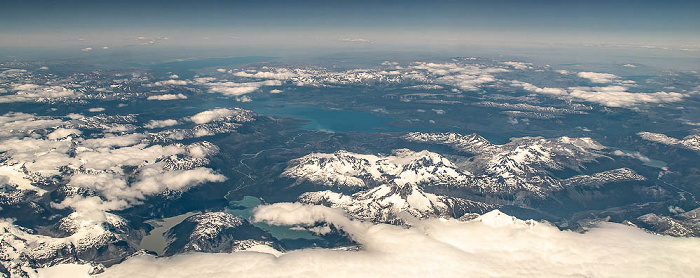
[(494, 244)]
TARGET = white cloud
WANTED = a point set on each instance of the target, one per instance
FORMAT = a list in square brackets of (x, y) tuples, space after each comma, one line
[(109, 141), (167, 97), (611, 96), (62, 133), (17, 123), (38, 148), (465, 77), (171, 82), (38, 155), (34, 92), (355, 40), (75, 116), (535, 89), (214, 115), (148, 41), (598, 77), (635, 155), (86, 49), (629, 65), (230, 88), (244, 99), (278, 73), (138, 155), (493, 245), (14, 175), (65, 271), (160, 123), (617, 96), (154, 180), (96, 109), (518, 65), (233, 90), (238, 89), (275, 91)]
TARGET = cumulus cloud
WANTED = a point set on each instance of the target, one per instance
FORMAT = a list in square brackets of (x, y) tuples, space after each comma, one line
[(75, 116), (518, 65), (596, 77), (617, 96), (278, 73), (236, 89), (41, 156), (167, 97), (494, 244), (35, 92), (535, 89), (160, 123), (95, 172), (214, 115), (171, 82), (17, 123), (465, 77), (154, 180), (96, 109), (611, 96), (86, 49)]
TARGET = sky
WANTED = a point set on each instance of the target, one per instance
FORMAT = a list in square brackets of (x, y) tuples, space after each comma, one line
[(211, 22)]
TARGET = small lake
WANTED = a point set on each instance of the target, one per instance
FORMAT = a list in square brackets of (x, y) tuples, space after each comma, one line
[(645, 160), (155, 240)]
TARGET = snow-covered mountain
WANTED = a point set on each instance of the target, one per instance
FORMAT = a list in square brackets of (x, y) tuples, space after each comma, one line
[(87, 241), (599, 179), (68, 174), (390, 203), (346, 169), (690, 142), (216, 232), (523, 164), (685, 224)]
